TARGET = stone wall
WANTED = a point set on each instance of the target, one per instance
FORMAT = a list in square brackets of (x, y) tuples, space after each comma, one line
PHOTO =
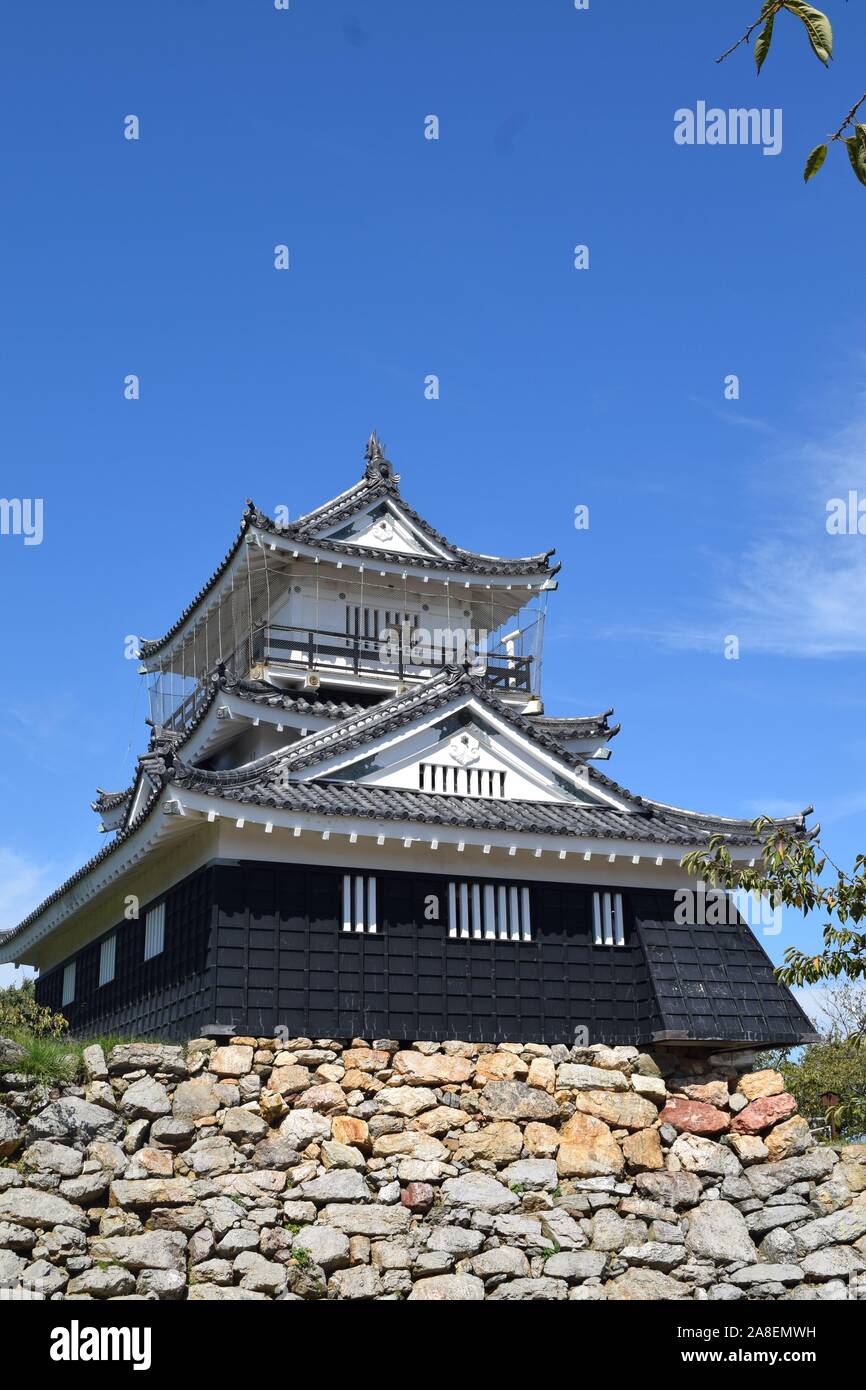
[(319, 1169)]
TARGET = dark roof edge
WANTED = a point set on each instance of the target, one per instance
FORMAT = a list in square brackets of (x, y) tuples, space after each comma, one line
[(107, 850), (353, 500), (795, 822), (109, 801)]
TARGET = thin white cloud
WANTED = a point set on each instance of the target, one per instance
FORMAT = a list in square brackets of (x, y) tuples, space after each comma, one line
[(24, 883), (735, 417), (795, 590), (811, 999), (799, 597)]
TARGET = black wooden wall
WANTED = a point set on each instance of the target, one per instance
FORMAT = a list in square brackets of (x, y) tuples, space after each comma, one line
[(166, 997), (284, 960), (250, 947)]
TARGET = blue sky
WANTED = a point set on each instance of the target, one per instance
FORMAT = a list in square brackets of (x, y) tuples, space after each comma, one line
[(559, 387)]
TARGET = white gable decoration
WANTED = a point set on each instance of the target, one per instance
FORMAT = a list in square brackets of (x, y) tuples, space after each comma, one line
[(389, 530), (487, 757)]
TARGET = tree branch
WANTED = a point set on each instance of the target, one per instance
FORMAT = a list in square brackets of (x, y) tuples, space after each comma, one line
[(849, 118), (759, 22)]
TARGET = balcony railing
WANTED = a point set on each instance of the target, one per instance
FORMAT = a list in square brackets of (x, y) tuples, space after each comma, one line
[(406, 656), (338, 653), (179, 720)]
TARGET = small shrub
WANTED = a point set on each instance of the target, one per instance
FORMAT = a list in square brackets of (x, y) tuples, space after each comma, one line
[(21, 1016), (302, 1258)]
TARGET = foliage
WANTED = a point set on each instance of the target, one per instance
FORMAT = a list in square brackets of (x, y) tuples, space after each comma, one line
[(819, 33), (835, 1066), (20, 1013), (838, 1062), (789, 870)]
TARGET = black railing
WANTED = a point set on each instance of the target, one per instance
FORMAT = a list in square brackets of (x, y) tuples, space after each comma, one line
[(409, 653)]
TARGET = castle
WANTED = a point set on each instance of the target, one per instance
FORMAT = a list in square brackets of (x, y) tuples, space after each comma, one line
[(354, 818)]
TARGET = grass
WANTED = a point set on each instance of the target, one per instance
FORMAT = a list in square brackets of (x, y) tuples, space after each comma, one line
[(109, 1041), (59, 1060), (49, 1059)]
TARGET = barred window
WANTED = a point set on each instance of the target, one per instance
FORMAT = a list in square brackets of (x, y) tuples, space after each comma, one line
[(372, 622), (107, 957), (154, 931), (68, 984), (461, 781), (359, 903), (489, 911), (607, 919)]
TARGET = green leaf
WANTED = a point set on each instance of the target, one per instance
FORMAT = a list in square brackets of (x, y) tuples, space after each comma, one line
[(814, 162), (763, 41), (857, 156), (818, 28), (861, 136)]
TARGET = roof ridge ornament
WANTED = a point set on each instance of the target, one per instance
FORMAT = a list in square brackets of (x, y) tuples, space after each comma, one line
[(379, 468)]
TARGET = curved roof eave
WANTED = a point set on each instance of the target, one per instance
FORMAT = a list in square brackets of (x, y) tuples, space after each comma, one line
[(305, 531), (87, 868)]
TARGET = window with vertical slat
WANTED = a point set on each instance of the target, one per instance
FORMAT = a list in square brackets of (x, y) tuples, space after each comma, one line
[(608, 928), (68, 984), (359, 903), (462, 781), (484, 910), (107, 957), (154, 931)]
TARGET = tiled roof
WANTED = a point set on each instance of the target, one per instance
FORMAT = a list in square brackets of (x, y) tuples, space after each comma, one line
[(264, 781), (109, 801), (263, 693), (714, 983), (379, 481), (147, 647), (254, 692), (369, 722), (388, 715), (105, 853), (579, 726), (357, 800)]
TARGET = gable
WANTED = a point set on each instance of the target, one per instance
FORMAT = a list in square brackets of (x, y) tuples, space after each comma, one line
[(384, 526), (462, 750)]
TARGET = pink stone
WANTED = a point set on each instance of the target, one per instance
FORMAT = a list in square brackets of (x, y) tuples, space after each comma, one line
[(417, 1196), (694, 1117), (762, 1114)]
